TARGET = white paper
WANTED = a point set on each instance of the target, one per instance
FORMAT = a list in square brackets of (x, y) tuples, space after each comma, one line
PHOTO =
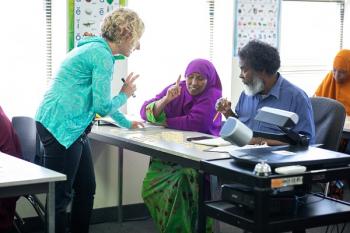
[(227, 149), (212, 142)]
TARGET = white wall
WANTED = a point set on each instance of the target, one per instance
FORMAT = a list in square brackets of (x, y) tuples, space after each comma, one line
[(105, 159), (346, 40)]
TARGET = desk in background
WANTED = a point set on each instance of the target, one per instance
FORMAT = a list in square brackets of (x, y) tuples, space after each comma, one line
[(19, 177), (166, 144), (318, 210)]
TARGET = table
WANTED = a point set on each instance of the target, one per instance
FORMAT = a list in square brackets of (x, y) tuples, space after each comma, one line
[(19, 177), (166, 144), (317, 211)]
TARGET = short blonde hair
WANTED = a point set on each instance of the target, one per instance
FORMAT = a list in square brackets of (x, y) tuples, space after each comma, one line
[(122, 24)]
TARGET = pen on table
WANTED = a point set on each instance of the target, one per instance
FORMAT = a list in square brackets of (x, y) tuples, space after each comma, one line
[(133, 95), (216, 116)]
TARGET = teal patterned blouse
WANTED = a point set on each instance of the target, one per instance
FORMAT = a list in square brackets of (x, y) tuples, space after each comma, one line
[(81, 88)]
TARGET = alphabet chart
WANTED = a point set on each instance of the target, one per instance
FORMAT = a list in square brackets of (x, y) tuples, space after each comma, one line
[(88, 15), (256, 19)]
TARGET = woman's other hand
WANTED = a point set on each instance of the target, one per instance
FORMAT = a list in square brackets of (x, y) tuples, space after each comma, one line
[(129, 87), (137, 124)]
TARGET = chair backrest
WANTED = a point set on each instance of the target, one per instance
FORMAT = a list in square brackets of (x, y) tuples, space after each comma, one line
[(329, 117), (26, 131)]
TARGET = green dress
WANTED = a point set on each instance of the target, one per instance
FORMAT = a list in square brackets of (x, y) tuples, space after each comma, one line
[(170, 193)]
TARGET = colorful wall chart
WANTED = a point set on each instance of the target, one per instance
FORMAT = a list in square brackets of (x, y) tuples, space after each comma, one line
[(256, 19), (87, 15)]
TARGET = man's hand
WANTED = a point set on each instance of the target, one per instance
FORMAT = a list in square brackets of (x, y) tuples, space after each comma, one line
[(222, 105)]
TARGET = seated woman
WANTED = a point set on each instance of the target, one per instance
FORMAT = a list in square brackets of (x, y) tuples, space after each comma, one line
[(9, 144), (336, 84), (169, 190)]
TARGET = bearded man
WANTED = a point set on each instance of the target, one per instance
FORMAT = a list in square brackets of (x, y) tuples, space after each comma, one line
[(265, 87)]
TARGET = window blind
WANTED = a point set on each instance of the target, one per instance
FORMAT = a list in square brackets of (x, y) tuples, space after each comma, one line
[(48, 24), (211, 4)]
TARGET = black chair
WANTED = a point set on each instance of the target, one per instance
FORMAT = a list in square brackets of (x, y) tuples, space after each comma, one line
[(329, 118), (32, 151)]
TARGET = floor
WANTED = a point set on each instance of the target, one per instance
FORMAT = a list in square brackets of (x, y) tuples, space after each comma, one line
[(147, 226)]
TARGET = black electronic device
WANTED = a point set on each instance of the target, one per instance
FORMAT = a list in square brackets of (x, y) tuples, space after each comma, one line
[(278, 156), (285, 121), (284, 202)]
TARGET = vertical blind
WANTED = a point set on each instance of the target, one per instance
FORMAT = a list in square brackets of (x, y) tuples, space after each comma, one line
[(48, 23)]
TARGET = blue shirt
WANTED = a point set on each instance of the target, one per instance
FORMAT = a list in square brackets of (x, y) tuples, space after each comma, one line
[(283, 95), (81, 88)]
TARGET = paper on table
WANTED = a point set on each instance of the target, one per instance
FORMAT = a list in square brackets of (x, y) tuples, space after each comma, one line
[(109, 121), (148, 125), (234, 147), (212, 142)]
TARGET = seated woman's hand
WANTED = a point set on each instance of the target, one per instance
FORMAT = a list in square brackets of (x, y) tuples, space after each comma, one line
[(173, 91)]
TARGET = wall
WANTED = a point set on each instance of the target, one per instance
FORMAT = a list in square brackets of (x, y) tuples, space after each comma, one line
[(346, 40)]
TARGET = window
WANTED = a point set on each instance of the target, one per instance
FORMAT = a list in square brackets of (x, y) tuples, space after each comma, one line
[(26, 52), (23, 56), (311, 35), (175, 33)]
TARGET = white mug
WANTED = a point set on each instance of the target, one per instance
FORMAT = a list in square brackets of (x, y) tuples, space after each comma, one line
[(236, 132)]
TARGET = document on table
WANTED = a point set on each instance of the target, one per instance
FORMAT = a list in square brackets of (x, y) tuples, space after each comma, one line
[(227, 149), (148, 125), (212, 142), (109, 121)]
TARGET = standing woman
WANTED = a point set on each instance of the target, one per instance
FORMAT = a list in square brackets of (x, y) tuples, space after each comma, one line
[(169, 190), (82, 89)]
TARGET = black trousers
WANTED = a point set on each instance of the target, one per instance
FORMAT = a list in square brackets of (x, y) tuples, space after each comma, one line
[(79, 188)]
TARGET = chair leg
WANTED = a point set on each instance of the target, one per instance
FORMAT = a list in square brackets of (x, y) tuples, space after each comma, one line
[(326, 189), (18, 223), (38, 206)]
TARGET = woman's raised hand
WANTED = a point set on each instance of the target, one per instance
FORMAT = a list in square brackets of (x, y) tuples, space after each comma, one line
[(129, 87), (174, 91)]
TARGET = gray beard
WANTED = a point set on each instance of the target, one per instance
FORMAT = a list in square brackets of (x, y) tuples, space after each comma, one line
[(255, 87)]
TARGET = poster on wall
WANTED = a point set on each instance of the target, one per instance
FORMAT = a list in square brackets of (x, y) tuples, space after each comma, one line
[(88, 15), (256, 19)]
